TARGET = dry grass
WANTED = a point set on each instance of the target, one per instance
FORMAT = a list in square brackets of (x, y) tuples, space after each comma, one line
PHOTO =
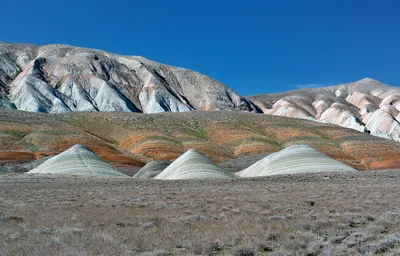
[(131, 139), (313, 214)]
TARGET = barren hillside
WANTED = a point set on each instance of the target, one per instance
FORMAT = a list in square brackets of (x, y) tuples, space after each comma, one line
[(367, 106), (62, 78), (133, 139)]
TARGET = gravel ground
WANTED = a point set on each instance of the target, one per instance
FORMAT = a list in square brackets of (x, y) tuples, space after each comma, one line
[(308, 214)]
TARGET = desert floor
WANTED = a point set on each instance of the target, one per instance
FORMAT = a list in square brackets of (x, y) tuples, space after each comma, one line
[(308, 214)]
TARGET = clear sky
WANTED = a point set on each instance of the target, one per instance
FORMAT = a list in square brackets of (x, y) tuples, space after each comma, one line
[(251, 46)]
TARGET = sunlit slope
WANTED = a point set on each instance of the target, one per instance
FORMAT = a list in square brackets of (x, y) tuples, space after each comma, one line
[(136, 139), (77, 160), (193, 165), (292, 160)]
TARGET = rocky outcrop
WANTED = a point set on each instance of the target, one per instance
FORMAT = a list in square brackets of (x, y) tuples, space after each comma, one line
[(367, 106), (77, 160), (61, 78), (292, 160), (193, 165)]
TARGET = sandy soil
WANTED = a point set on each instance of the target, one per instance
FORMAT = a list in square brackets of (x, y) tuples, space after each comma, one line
[(309, 214)]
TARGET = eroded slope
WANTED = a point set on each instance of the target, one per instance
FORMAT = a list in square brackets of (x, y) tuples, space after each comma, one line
[(193, 165), (293, 160), (133, 139), (77, 160), (62, 78), (366, 106)]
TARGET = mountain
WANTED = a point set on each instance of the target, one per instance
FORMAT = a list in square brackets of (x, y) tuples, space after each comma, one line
[(61, 78), (133, 139), (193, 165), (292, 160), (367, 106), (77, 160)]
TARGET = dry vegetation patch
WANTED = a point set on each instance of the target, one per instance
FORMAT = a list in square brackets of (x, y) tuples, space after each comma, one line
[(308, 214), (132, 139)]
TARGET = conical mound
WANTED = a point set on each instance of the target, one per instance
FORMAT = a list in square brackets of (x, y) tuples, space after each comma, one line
[(152, 169), (292, 160), (193, 165), (77, 160)]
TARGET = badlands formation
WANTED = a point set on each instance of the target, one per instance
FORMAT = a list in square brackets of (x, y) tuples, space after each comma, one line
[(130, 140), (293, 160), (193, 165), (78, 160), (65, 80), (152, 169), (366, 106), (61, 78)]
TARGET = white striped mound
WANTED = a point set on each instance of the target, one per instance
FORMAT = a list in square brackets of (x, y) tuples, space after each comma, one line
[(152, 169), (77, 160), (193, 165), (292, 160)]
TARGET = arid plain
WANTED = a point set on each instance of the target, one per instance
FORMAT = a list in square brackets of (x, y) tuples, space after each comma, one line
[(308, 214)]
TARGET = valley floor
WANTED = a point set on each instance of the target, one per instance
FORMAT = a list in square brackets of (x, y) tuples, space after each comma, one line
[(309, 214)]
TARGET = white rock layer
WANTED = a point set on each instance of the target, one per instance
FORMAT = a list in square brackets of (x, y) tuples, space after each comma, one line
[(366, 106), (152, 169), (78, 160), (292, 160), (61, 78), (193, 165)]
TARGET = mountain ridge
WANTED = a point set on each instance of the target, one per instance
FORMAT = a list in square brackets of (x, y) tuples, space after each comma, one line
[(366, 105), (61, 78)]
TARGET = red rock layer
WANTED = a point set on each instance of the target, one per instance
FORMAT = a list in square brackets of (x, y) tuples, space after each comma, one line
[(130, 140)]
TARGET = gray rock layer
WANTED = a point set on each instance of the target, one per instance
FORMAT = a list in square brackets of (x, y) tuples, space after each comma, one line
[(26, 167), (292, 160), (61, 78), (193, 165), (152, 169), (77, 160)]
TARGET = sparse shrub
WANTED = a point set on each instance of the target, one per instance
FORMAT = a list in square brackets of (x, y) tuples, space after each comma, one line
[(158, 252), (32, 147), (16, 219), (204, 248), (386, 244), (186, 217), (244, 251)]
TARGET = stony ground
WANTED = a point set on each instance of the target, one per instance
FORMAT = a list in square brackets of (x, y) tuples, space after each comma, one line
[(311, 214)]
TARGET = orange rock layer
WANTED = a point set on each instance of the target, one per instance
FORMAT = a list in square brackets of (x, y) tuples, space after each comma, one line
[(129, 139)]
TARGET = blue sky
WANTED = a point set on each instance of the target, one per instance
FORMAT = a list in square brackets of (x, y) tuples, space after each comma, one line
[(251, 46)]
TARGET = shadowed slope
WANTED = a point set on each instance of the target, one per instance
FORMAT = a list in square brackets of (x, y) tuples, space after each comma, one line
[(152, 169), (26, 167), (292, 160), (193, 165), (78, 160)]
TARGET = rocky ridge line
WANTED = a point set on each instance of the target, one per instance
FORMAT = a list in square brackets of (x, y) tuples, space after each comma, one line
[(62, 78)]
